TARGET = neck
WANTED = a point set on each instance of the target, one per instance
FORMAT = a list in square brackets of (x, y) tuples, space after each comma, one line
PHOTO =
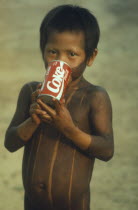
[(74, 84)]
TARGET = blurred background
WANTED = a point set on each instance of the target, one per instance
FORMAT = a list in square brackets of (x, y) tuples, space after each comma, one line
[(114, 184)]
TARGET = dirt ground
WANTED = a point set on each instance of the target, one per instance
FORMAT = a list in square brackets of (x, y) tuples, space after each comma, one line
[(114, 185)]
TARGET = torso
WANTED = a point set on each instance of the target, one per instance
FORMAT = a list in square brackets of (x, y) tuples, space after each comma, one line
[(56, 173)]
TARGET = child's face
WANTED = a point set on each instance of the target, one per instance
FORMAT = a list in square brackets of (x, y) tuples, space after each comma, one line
[(67, 46)]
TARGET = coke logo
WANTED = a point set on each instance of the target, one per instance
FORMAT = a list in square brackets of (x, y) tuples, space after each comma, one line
[(55, 84)]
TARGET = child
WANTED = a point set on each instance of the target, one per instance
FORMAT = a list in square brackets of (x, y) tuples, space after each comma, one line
[(61, 144)]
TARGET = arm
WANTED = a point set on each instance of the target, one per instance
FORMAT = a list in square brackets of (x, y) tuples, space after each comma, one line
[(99, 145), (22, 125), (17, 136)]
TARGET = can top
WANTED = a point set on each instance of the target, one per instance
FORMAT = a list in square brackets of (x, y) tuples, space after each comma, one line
[(60, 61)]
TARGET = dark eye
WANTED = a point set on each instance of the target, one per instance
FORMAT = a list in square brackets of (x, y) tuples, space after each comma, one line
[(52, 52), (72, 54)]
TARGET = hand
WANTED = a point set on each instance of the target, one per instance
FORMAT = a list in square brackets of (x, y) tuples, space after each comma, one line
[(36, 112), (36, 93), (59, 117)]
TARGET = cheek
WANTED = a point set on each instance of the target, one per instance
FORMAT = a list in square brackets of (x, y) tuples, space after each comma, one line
[(45, 63), (78, 70), (46, 60)]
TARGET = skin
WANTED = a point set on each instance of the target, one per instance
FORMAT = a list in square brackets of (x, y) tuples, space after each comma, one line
[(69, 47), (92, 137)]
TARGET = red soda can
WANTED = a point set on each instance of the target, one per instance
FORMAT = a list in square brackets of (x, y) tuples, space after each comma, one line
[(57, 77)]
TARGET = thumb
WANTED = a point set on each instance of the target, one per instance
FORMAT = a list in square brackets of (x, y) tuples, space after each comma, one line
[(39, 86), (62, 101)]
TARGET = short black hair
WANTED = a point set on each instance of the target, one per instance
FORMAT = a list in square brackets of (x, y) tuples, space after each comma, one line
[(71, 18)]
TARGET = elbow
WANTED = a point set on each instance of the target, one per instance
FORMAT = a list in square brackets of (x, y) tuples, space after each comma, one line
[(109, 152), (109, 155), (9, 148), (8, 143)]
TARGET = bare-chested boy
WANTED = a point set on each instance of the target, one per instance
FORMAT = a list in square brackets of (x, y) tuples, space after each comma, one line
[(61, 144)]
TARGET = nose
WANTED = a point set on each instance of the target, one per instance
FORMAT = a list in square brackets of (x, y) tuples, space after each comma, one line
[(62, 57)]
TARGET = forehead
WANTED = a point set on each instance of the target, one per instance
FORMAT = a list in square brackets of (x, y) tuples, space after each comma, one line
[(67, 38)]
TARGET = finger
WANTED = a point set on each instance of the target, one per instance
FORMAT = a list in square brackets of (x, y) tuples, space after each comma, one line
[(39, 85), (62, 101), (47, 121), (37, 111), (35, 95), (47, 108), (36, 119), (46, 117), (35, 106), (57, 105), (33, 98)]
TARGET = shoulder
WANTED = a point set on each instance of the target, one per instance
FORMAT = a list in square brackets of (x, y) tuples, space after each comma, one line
[(98, 97), (26, 91), (30, 86)]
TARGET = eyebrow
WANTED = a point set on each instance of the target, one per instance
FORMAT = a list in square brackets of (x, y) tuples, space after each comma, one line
[(65, 49)]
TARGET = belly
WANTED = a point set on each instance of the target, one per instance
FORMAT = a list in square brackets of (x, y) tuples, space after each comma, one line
[(57, 172)]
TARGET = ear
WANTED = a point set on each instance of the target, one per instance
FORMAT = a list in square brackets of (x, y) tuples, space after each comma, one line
[(92, 58)]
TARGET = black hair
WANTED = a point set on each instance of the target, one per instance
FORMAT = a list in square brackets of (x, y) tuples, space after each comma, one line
[(71, 18)]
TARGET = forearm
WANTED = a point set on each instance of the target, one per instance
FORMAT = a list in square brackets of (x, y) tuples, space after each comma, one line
[(17, 136), (26, 129), (100, 147)]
